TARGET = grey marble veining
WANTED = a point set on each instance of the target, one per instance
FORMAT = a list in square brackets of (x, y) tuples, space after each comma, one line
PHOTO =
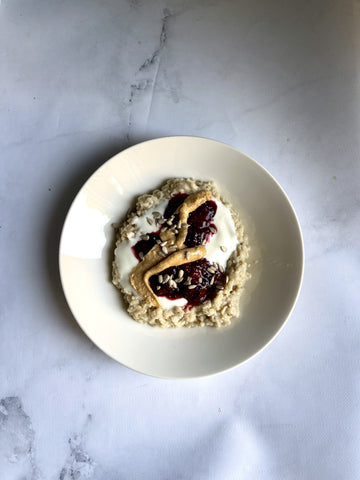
[(17, 437), (78, 463), (80, 81)]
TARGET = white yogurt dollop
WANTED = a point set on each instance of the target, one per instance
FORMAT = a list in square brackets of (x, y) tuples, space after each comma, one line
[(224, 237)]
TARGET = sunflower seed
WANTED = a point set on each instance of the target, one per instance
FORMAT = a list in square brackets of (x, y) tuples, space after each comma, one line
[(187, 255), (160, 221), (211, 270), (165, 250), (223, 248), (156, 214), (150, 220), (212, 229), (179, 225), (181, 273), (141, 255), (172, 283), (191, 287), (160, 278), (166, 278), (227, 279), (169, 222), (158, 287), (162, 244), (212, 280), (144, 237), (200, 280)]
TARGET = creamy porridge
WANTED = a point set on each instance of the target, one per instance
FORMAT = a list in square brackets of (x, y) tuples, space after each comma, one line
[(180, 257)]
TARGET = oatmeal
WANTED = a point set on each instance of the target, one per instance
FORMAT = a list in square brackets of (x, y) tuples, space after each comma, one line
[(180, 257)]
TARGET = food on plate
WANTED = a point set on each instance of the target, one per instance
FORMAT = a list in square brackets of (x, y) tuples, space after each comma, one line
[(180, 256)]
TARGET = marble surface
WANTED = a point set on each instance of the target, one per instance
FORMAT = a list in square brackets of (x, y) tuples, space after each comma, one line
[(82, 80)]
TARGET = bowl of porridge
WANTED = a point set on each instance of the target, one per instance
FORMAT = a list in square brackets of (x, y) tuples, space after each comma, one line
[(181, 257)]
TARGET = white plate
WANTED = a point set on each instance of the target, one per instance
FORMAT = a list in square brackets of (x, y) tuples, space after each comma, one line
[(86, 254)]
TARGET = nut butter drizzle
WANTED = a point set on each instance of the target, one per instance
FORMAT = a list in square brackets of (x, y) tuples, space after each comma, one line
[(154, 261)]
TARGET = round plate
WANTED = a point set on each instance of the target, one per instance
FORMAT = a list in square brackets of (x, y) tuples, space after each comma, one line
[(87, 242)]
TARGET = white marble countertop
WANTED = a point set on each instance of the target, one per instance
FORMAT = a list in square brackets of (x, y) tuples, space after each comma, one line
[(80, 81)]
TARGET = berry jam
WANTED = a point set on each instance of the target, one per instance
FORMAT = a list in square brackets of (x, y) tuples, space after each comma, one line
[(174, 203), (206, 290), (200, 229), (199, 221), (142, 247)]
